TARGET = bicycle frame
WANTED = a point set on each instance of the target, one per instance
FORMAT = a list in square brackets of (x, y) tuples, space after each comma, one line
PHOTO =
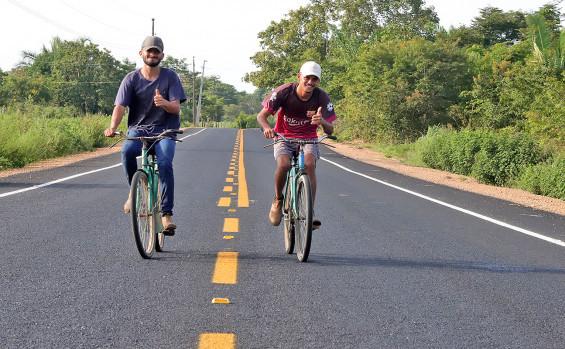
[(296, 170), (149, 166), (147, 212)]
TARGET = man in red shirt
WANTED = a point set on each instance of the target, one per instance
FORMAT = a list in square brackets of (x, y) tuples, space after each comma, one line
[(302, 108)]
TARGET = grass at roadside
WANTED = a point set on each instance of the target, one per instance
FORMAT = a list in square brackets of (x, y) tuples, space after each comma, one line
[(29, 135)]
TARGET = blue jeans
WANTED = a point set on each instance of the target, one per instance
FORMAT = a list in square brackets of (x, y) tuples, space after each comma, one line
[(165, 151)]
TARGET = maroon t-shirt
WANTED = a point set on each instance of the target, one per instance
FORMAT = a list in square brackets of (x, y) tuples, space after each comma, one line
[(295, 114)]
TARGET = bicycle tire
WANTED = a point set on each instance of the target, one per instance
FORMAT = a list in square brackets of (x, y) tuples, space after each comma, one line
[(160, 238), (141, 215), (303, 219), (288, 221)]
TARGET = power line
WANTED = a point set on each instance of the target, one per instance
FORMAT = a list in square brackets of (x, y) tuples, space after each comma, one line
[(129, 9), (97, 20), (86, 82), (54, 23), (44, 18)]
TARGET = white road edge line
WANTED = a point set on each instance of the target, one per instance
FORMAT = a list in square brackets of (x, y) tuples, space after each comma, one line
[(488, 219), (73, 176)]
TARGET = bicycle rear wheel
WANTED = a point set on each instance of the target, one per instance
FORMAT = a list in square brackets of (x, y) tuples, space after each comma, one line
[(288, 220), (303, 221), (141, 215)]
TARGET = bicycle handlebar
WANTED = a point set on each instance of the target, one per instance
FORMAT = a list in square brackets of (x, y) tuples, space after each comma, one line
[(300, 141), (162, 135)]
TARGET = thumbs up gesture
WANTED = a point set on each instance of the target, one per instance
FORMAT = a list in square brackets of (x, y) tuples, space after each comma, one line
[(317, 118), (158, 99)]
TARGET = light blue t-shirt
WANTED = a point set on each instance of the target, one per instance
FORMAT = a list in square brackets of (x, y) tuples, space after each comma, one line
[(137, 93)]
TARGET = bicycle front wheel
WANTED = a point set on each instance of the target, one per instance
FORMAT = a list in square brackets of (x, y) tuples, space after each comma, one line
[(141, 215), (303, 220)]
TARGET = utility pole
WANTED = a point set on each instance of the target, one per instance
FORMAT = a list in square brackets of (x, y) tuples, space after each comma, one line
[(152, 26), (200, 96), (193, 92)]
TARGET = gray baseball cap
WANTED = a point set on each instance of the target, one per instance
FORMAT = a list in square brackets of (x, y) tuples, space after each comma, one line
[(152, 42)]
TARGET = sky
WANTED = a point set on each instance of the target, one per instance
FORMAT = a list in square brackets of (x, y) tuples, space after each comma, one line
[(223, 33)]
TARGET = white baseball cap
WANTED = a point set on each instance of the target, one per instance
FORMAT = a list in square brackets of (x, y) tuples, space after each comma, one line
[(311, 68)]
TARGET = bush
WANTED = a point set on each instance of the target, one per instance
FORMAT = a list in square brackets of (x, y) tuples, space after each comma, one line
[(434, 148), (246, 121), (546, 178), (491, 157), (502, 156)]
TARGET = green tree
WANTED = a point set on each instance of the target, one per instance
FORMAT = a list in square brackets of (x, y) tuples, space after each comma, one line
[(18, 87), (496, 26), (212, 108), (491, 27), (214, 86), (509, 80), (548, 46), (300, 36), (546, 115), (305, 34), (397, 90), (251, 103), (81, 75), (231, 111)]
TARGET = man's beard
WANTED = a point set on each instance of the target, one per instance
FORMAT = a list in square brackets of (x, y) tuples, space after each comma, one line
[(151, 63)]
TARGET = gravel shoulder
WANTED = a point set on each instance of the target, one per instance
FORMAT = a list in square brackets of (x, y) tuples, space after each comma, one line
[(357, 152)]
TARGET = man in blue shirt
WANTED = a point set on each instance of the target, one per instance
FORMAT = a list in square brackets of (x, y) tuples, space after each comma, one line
[(153, 95)]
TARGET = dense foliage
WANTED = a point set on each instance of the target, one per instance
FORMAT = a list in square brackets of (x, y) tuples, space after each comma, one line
[(484, 100)]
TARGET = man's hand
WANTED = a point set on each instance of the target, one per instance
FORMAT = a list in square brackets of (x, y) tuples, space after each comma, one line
[(172, 107), (158, 99), (269, 132), (264, 124), (109, 132), (317, 118), (117, 115)]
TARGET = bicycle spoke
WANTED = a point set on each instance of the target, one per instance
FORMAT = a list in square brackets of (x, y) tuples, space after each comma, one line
[(304, 220), (141, 215)]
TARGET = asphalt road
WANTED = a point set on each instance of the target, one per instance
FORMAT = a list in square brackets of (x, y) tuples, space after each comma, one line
[(398, 262)]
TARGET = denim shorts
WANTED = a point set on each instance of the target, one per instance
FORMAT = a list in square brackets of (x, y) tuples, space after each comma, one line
[(288, 148)]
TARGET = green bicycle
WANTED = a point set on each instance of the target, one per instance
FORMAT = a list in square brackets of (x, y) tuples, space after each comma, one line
[(298, 201), (145, 194)]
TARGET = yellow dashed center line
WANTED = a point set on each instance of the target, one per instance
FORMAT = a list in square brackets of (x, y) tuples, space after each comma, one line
[(225, 271), (231, 225), (224, 202), (216, 341)]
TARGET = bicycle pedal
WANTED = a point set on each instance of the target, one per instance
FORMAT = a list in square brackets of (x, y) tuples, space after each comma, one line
[(168, 232)]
